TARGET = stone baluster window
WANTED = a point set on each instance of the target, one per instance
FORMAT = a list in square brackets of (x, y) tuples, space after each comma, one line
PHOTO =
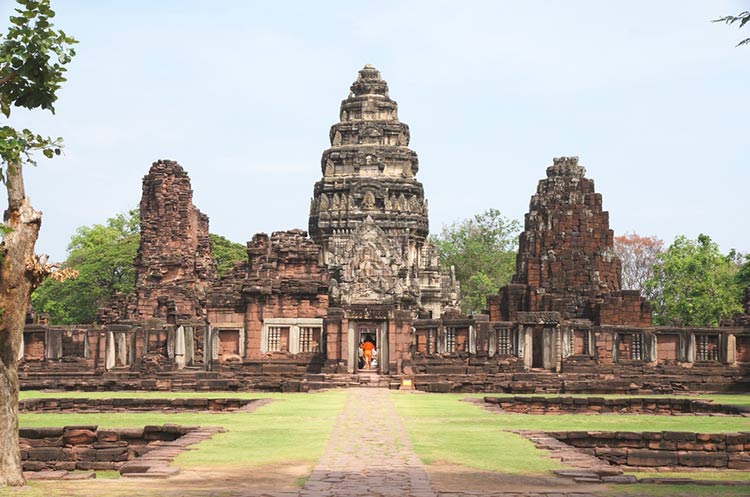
[(309, 339), (450, 340), (707, 347), (426, 341), (636, 351), (630, 346), (278, 339), (292, 335), (505, 341)]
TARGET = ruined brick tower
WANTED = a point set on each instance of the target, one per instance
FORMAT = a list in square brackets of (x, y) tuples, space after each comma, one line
[(369, 213), (566, 262), (174, 266)]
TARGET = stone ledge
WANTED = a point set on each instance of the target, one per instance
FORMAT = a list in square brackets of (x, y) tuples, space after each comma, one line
[(136, 404), (598, 405)]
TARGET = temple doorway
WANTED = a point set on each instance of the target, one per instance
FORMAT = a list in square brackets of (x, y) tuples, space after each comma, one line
[(368, 353), (537, 348)]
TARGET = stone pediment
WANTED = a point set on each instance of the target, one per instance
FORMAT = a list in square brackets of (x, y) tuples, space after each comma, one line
[(369, 267)]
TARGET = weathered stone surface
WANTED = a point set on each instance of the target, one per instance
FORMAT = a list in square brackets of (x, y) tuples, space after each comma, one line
[(79, 436), (700, 459), (174, 266), (652, 458)]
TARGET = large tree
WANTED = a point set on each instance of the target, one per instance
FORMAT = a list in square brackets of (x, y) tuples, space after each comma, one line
[(638, 255), (33, 56), (483, 251), (694, 283), (102, 255)]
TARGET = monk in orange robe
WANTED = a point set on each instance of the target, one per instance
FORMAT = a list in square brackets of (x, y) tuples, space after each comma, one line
[(367, 348)]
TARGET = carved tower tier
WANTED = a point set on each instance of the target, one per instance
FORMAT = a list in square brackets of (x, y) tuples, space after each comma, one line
[(369, 213)]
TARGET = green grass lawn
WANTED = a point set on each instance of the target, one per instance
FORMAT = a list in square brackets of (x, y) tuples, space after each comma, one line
[(296, 427), (292, 428), (443, 428)]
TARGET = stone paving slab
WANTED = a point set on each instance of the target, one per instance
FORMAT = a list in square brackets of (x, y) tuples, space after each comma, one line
[(369, 453)]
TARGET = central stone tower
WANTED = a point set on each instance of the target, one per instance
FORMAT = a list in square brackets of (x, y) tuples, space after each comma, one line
[(369, 213)]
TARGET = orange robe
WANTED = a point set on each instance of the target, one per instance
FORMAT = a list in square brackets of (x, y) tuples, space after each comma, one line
[(367, 347)]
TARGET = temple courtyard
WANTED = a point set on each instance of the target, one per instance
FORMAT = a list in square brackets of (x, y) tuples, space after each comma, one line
[(369, 441)]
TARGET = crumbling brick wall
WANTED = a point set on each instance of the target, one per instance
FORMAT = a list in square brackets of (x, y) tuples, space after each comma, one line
[(566, 262), (175, 264)]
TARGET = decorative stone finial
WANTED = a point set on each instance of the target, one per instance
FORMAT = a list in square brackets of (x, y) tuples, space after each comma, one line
[(369, 82), (565, 166)]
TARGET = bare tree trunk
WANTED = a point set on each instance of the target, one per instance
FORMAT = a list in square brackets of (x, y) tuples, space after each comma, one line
[(20, 271)]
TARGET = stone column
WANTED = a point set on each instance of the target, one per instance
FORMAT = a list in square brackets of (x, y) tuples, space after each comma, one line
[(109, 360), (528, 349), (472, 340), (731, 357), (294, 339), (179, 347), (383, 348), (350, 348), (121, 348), (189, 346)]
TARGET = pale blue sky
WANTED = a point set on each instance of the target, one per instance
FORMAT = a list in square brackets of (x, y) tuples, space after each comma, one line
[(652, 96)]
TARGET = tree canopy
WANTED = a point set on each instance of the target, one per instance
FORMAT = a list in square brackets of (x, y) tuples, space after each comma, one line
[(638, 255), (695, 283), (482, 249), (103, 255), (227, 253), (33, 57)]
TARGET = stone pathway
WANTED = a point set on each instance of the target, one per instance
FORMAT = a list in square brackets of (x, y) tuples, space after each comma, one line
[(369, 453)]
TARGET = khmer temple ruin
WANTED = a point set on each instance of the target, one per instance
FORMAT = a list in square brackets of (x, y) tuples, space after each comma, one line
[(294, 314)]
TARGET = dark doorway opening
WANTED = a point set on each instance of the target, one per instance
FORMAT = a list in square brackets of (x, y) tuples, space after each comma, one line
[(537, 348)]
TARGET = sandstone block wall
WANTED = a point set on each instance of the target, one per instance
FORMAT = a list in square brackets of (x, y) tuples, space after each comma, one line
[(600, 405), (131, 405), (87, 447), (663, 449)]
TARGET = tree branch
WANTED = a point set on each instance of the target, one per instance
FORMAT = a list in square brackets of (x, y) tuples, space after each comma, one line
[(7, 79)]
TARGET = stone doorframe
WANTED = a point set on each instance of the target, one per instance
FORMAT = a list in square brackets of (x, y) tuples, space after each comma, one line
[(381, 340), (549, 322)]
